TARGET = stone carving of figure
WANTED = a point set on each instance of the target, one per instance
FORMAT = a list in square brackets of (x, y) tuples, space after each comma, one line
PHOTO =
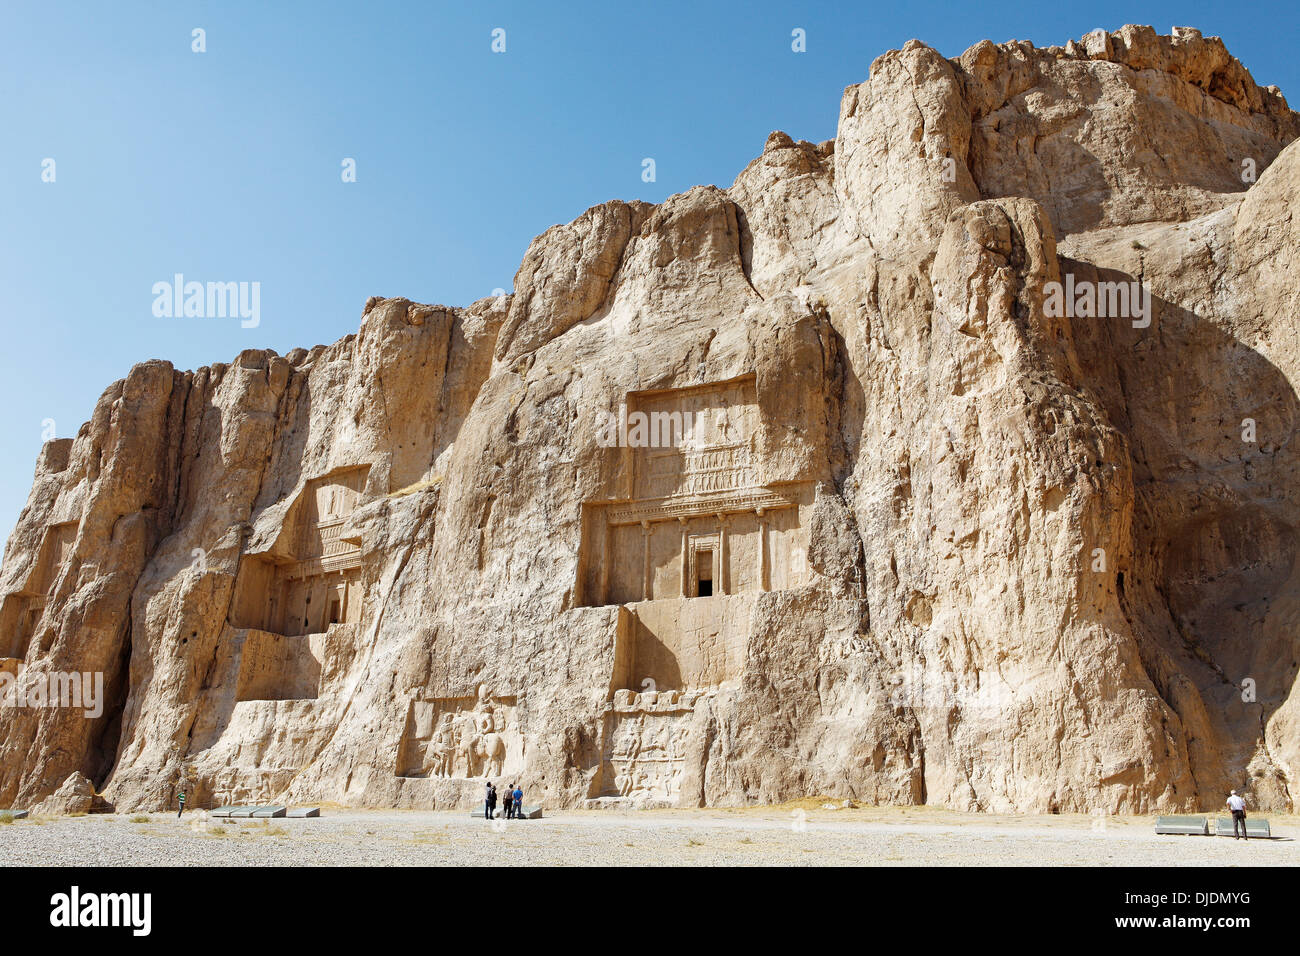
[(634, 739), (638, 782), (659, 788), (464, 734), (487, 746), (677, 748), (490, 754), (443, 747), (724, 422), (675, 782)]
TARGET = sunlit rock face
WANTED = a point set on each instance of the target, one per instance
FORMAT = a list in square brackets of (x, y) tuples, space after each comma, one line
[(946, 462)]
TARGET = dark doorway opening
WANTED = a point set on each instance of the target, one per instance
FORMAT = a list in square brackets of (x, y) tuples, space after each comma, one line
[(704, 574)]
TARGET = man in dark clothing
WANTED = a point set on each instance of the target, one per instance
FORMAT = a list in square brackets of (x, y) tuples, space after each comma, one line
[(489, 802), (509, 800)]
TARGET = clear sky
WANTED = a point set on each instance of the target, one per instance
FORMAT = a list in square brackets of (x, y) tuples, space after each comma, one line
[(226, 165)]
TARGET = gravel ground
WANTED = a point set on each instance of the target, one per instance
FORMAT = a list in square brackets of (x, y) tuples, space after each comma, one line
[(899, 836)]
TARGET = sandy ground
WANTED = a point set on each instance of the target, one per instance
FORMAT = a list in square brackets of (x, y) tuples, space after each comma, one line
[(894, 836)]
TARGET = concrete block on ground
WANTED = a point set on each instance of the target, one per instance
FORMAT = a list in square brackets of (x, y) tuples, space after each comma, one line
[(1185, 825), (1255, 827)]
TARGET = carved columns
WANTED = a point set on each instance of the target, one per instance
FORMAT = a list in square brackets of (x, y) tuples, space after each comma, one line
[(720, 566), (646, 582), (607, 558), (686, 559)]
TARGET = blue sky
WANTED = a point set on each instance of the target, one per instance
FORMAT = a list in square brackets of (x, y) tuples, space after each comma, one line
[(225, 165)]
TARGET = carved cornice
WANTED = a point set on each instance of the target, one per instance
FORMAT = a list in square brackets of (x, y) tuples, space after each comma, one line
[(329, 564), (668, 509)]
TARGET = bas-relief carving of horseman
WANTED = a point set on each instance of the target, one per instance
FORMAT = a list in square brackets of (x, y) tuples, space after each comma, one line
[(232, 788), (487, 746), (646, 750), (471, 744), (627, 740), (466, 744)]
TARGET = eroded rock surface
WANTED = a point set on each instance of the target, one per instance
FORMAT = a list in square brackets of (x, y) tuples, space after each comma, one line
[(880, 520)]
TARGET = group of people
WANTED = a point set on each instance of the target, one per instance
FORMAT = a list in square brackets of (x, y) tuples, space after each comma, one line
[(512, 802)]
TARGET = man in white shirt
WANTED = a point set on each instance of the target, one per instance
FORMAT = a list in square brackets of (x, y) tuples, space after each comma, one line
[(1238, 808)]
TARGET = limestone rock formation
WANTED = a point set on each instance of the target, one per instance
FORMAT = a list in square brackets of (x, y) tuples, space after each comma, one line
[(947, 462), (77, 795)]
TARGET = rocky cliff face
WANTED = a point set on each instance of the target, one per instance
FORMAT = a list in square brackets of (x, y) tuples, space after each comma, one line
[(948, 462)]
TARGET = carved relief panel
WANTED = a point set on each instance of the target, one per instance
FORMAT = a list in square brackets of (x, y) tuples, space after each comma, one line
[(646, 736), (461, 737), (697, 441)]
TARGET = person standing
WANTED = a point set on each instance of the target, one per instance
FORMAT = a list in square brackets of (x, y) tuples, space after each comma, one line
[(1238, 808), (181, 800), (509, 801), (519, 803), (489, 800)]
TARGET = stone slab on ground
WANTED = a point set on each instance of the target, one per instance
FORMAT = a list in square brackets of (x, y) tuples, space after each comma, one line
[(302, 813), (226, 811), (16, 814), (270, 811), (1255, 827), (1185, 825)]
